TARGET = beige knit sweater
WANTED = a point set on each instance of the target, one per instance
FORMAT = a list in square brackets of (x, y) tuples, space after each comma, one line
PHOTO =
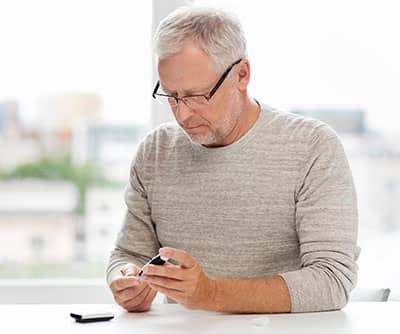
[(280, 200)]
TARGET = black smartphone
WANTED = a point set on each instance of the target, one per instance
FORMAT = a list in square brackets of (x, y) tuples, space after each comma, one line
[(83, 318)]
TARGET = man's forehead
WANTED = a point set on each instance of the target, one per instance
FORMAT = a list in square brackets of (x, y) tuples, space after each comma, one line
[(186, 81), (190, 70), (172, 87)]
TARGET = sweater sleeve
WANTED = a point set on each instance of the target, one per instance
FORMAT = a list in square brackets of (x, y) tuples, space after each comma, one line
[(326, 224), (137, 240)]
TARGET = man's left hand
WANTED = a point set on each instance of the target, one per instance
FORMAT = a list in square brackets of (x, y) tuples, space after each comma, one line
[(185, 283)]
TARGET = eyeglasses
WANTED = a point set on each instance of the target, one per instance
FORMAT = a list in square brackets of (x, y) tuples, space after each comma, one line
[(192, 101)]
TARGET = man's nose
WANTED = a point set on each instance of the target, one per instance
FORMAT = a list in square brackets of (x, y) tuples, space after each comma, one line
[(182, 112)]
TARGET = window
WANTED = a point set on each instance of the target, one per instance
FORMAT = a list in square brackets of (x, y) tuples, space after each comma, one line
[(75, 82)]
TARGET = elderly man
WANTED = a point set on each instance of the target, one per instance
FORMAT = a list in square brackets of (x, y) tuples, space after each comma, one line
[(255, 207)]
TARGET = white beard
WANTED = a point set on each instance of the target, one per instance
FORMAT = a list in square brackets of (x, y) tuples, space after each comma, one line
[(215, 137)]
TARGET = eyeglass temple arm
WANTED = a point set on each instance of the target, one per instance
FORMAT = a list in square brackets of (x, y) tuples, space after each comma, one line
[(155, 89), (221, 80)]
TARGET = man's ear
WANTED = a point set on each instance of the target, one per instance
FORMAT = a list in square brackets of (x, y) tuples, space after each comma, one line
[(243, 71)]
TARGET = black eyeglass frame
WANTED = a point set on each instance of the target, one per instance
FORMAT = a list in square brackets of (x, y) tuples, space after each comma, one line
[(207, 96)]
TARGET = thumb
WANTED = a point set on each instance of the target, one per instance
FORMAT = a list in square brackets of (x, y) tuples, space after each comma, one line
[(130, 269)]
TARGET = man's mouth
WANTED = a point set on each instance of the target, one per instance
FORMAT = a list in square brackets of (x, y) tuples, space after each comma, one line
[(191, 127)]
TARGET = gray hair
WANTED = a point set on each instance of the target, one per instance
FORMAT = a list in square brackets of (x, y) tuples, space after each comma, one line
[(217, 32)]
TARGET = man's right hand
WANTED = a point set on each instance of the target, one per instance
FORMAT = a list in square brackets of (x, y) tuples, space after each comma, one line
[(132, 294)]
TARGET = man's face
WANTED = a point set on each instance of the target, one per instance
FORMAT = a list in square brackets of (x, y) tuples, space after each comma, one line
[(190, 72)]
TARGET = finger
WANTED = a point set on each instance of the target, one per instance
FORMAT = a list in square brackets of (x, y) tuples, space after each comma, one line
[(166, 283), (131, 293), (136, 300), (145, 305), (175, 295), (123, 282), (130, 269), (169, 271), (178, 255), (151, 296)]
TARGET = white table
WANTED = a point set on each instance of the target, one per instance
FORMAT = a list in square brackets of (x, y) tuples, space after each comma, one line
[(355, 318)]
